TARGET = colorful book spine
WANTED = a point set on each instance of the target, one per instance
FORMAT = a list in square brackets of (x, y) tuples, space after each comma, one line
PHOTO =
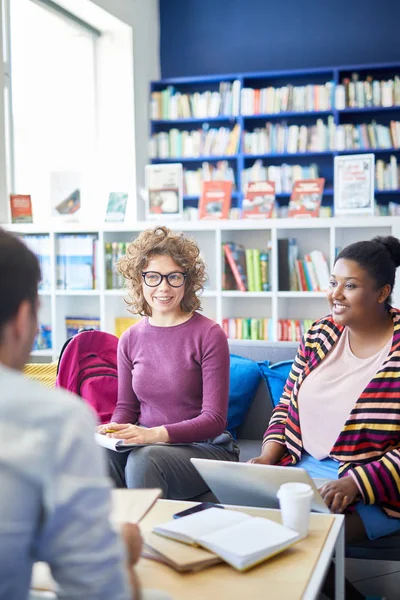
[(250, 269), (234, 267)]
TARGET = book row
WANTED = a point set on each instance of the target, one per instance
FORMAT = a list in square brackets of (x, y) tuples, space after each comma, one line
[(76, 262), (193, 180), (283, 330), (231, 100), (288, 98), (310, 273), (198, 142), (113, 251), (356, 93), (280, 138), (245, 269), (275, 138), (172, 104)]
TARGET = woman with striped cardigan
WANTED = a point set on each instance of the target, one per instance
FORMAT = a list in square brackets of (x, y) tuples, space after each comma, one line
[(339, 414)]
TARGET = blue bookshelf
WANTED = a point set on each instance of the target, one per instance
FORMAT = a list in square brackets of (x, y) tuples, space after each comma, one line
[(352, 101)]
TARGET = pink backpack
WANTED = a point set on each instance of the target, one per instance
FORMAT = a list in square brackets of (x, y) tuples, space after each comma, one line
[(88, 367)]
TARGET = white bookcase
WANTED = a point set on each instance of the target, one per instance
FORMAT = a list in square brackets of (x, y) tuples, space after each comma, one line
[(322, 234)]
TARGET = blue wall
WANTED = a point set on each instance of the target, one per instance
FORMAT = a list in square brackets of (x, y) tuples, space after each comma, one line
[(205, 37)]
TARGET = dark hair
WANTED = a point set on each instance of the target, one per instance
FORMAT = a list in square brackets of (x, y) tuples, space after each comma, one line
[(19, 276), (380, 257)]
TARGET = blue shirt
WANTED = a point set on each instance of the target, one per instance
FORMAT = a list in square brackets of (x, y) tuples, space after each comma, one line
[(54, 496)]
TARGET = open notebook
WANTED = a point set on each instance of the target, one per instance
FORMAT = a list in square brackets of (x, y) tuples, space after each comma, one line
[(239, 539)]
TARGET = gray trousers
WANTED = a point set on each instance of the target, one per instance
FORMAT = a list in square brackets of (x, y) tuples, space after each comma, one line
[(169, 467)]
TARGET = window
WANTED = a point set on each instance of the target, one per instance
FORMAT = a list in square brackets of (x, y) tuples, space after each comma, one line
[(53, 83)]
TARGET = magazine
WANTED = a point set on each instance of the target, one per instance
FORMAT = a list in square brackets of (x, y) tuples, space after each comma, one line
[(65, 194), (164, 184), (259, 200), (21, 208), (215, 200), (354, 184), (306, 197)]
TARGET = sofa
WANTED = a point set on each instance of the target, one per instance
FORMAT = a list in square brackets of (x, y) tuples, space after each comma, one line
[(250, 433)]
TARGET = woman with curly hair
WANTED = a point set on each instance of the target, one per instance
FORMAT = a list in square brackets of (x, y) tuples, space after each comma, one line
[(173, 371)]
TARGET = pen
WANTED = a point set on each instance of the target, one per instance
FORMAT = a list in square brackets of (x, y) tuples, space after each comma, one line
[(111, 431)]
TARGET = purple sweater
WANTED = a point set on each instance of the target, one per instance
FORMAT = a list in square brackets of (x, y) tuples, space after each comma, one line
[(174, 376)]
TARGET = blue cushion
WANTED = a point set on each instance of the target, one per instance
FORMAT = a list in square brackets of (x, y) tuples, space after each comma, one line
[(244, 380), (275, 377)]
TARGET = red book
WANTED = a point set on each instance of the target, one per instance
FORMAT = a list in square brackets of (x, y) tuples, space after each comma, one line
[(215, 200), (259, 200), (306, 197), (21, 208), (237, 269)]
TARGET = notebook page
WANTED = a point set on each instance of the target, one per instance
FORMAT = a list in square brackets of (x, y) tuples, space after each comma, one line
[(201, 523), (248, 542)]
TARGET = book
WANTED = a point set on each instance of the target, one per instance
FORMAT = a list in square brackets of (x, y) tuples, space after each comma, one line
[(119, 446), (21, 208), (235, 257), (239, 539), (215, 200), (259, 200), (306, 197), (179, 556), (116, 206)]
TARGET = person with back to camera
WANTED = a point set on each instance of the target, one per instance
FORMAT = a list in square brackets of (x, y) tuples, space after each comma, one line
[(55, 496), (173, 371), (339, 414)]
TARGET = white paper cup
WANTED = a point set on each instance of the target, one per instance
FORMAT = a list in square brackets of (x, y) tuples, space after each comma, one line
[(295, 502)]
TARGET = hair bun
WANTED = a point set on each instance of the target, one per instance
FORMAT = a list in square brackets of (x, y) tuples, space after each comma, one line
[(392, 245)]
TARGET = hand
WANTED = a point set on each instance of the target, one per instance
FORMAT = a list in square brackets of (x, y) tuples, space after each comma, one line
[(103, 429), (134, 434), (261, 460), (133, 542), (338, 494)]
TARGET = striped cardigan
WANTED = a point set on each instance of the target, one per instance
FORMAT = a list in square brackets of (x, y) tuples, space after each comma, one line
[(368, 447)]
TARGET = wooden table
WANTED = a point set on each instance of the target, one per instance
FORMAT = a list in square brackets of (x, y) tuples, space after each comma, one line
[(296, 574)]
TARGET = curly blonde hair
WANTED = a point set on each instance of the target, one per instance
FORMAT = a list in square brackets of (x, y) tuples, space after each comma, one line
[(150, 243)]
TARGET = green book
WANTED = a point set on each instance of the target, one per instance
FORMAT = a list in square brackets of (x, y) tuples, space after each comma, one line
[(249, 269), (257, 270), (254, 329)]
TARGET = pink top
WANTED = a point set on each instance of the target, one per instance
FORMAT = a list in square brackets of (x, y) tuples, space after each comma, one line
[(174, 376), (328, 394)]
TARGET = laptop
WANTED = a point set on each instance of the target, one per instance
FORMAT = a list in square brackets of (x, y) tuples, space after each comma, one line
[(247, 484)]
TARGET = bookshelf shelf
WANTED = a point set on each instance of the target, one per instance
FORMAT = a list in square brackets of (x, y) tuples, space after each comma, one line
[(327, 192), (200, 120), (368, 109), (369, 150), (288, 155), (301, 295), (283, 115), (78, 293), (237, 294), (42, 353), (193, 159)]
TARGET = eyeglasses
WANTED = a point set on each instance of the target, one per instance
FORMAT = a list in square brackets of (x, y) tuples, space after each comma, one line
[(153, 279)]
